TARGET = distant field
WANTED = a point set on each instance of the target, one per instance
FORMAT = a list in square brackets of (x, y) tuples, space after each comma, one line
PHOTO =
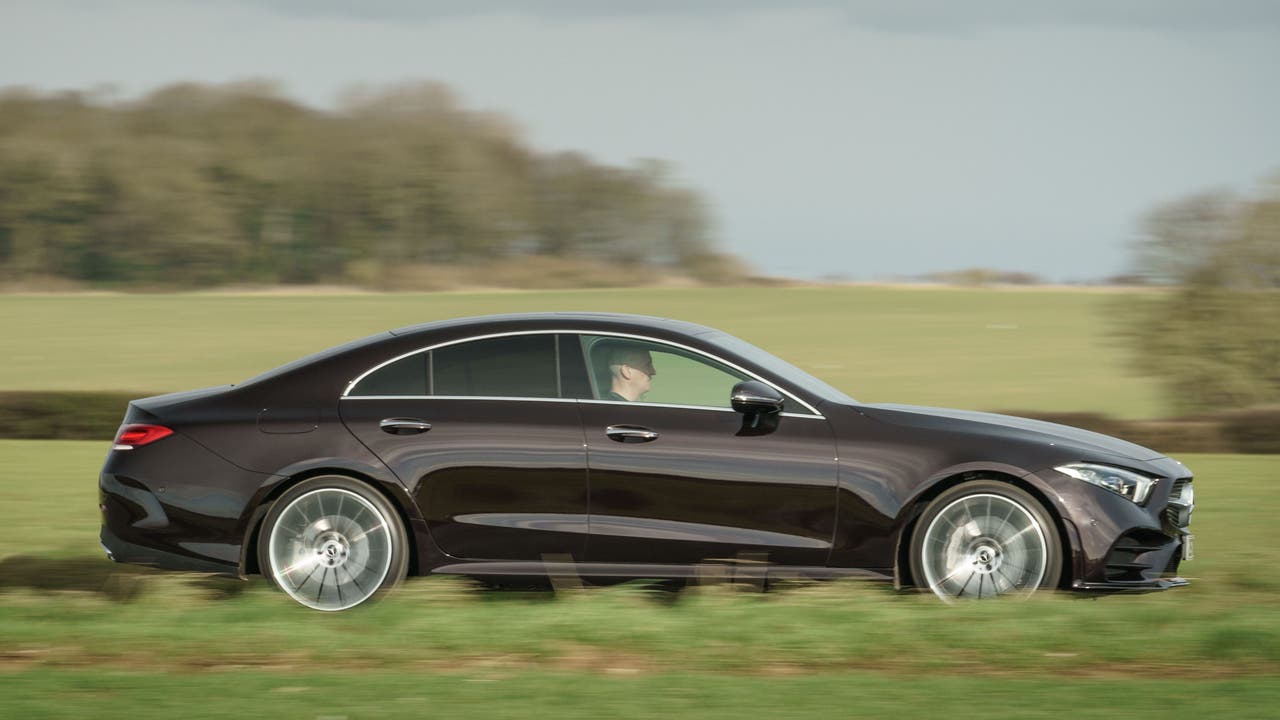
[(982, 349), (81, 637)]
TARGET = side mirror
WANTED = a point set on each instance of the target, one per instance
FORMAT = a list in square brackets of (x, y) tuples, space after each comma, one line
[(754, 397)]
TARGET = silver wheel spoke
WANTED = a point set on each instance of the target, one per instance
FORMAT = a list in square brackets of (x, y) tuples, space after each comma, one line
[(1023, 570), (305, 562), (1020, 533), (969, 525), (365, 534), (953, 573), (307, 579), (995, 582), (353, 580), (1012, 584)]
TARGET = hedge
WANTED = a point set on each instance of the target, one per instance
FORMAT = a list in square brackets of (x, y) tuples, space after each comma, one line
[(1252, 430), (97, 415), (63, 415)]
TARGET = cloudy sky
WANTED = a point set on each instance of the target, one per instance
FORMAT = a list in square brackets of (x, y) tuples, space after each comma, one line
[(864, 138)]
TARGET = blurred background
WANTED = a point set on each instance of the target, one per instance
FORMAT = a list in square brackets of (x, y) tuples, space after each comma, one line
[(301, 142), (1064, 210)]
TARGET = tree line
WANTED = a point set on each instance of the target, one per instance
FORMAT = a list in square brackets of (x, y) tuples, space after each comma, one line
[(197, 185)]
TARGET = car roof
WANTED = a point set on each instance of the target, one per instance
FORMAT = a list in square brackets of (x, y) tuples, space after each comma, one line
[(509, 322), (349, 360), (572, 320)]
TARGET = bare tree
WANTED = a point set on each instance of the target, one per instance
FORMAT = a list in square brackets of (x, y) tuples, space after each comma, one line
[(1213, 336)]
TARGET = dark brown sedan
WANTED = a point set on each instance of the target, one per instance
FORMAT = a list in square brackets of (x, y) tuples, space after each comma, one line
[(619, 446)]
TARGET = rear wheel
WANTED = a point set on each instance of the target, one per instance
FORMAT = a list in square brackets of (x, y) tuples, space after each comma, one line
[(332, 542), (984, 539)]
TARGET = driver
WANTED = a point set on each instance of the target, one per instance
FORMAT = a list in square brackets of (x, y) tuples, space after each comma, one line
[(630, 371)]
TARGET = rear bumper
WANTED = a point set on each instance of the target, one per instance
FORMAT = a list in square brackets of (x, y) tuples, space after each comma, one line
[(175, 505), (133, 554)]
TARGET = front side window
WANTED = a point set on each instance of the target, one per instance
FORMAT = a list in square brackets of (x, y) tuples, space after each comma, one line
[(627, 370), (511, 366)]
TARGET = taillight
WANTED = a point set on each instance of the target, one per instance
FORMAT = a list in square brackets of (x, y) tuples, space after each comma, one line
[(132, 436)]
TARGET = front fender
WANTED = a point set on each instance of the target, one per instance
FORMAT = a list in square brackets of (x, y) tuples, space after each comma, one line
[(956, 474)]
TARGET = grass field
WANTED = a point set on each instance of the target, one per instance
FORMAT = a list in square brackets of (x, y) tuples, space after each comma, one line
[(82, 637), (980, 349)]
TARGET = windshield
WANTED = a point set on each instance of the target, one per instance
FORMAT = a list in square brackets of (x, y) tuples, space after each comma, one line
[(778, 367)]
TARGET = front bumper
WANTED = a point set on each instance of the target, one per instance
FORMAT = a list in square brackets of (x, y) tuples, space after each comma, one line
[(1135, 587), (1118, 546)]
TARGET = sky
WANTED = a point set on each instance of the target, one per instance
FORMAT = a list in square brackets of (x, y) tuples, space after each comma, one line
[(856, 139)]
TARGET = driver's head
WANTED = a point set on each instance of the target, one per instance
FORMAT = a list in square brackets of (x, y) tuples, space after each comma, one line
[(630, 369)]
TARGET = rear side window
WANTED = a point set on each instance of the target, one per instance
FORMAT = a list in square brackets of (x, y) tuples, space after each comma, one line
[(515, 366), (406, 376)]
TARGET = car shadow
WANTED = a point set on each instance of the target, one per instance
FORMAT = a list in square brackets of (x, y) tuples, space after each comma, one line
[(113, 581)]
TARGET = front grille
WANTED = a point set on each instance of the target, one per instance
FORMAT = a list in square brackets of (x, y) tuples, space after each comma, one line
[(1177, 514)]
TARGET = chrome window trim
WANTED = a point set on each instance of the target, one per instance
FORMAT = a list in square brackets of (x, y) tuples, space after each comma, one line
[(601, 333), (455, 397), (695, 407), (567, 400)]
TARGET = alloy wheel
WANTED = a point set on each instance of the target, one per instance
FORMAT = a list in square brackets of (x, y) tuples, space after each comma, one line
[(983, 545), (331, 549)]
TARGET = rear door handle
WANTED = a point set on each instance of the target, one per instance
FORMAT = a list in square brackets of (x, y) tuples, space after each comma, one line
[(404, 426), (630, 433)]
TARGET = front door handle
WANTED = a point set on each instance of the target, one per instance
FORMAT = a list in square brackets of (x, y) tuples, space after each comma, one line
[(404, 426), (630, 433)]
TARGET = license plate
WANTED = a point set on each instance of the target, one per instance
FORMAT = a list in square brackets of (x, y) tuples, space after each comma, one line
[(1188, 547)]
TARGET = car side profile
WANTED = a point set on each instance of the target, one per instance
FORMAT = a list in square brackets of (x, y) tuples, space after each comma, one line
[(619, 446)]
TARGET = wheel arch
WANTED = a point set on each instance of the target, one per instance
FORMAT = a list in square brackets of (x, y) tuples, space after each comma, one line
[(1022, 480)]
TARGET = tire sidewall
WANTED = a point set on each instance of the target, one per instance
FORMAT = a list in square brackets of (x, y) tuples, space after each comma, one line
[(1052, 538), (399, 564)]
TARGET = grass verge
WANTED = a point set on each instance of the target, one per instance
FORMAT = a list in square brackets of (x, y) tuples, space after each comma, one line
[(76, 630), (237, 694)]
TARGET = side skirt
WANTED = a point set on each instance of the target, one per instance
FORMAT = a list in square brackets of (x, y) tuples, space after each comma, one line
[(711, 569)]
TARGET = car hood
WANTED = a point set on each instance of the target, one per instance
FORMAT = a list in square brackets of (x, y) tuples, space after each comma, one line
[(1023, 428)]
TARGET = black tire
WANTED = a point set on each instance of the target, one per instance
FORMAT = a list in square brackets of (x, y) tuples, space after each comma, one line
[(332, 542), (985, 538)]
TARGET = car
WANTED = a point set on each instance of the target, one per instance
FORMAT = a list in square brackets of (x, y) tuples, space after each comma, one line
[(613, 446)]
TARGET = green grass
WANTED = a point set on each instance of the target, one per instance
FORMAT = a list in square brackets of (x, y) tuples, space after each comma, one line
[(981, 349), (50, 491), (402, 694), (80, 636)]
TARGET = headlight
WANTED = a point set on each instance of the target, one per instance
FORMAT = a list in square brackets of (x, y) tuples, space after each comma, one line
[(1128, 483)]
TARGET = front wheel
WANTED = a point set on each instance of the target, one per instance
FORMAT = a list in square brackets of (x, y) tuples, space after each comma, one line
[(332, 543), (984, 539)]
